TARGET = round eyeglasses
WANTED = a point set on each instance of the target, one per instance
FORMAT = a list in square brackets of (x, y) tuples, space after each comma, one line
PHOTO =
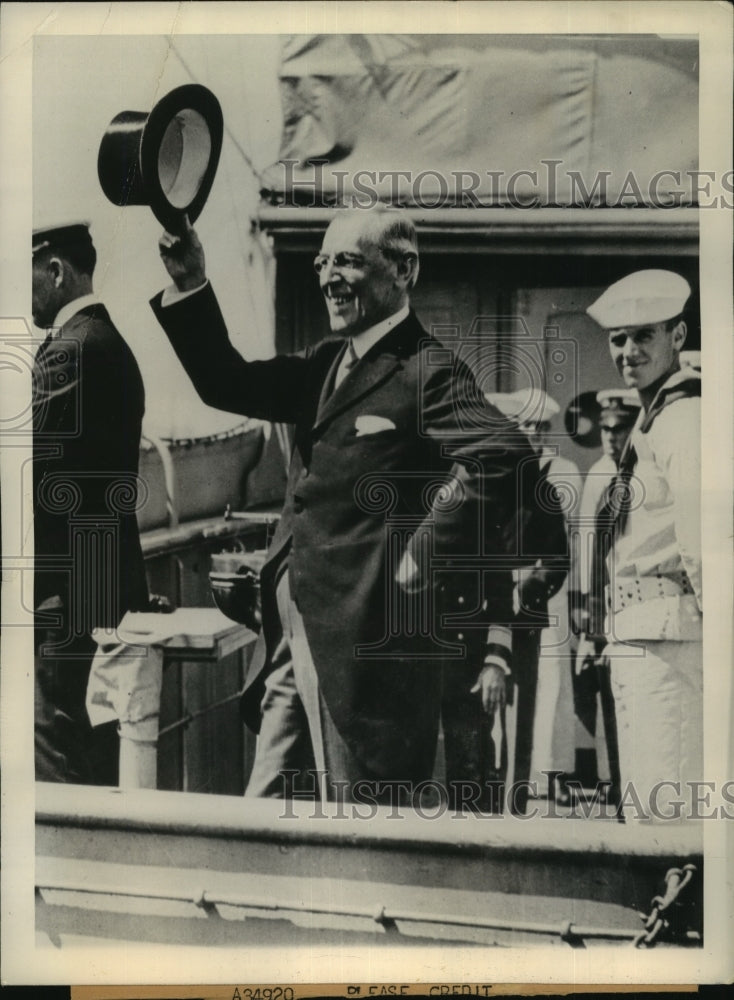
[(339, 262)]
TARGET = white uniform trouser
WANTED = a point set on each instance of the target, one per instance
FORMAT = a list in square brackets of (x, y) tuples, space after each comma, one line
[(659, 705), (554, 725)]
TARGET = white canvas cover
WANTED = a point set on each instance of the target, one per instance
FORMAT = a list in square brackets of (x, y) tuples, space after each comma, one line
[(440, 105)]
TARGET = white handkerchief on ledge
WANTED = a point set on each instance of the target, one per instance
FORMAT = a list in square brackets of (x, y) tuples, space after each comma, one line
[(127, 673)]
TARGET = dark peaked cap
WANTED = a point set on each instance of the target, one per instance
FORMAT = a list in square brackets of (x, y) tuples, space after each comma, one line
[(623, 402), (58, 237)]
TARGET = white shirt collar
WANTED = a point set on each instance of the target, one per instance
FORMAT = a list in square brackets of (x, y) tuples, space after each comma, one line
[(72, 308), (368, 338)]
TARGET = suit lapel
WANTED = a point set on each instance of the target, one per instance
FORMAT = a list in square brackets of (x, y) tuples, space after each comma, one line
[(364, 378), (326, 387), (377, 365)]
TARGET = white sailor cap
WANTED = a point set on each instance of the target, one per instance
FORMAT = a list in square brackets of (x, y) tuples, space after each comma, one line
[(67, 232), (624, 402), (534, 406), (692, 359), (650, 296)]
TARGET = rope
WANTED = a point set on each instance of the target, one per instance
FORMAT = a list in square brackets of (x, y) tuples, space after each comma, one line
[(190, 717)]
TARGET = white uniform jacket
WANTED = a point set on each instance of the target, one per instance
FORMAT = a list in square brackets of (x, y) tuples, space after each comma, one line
[(654, 589)]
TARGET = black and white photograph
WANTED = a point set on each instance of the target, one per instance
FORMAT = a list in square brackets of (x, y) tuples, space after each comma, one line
[(366, 452)]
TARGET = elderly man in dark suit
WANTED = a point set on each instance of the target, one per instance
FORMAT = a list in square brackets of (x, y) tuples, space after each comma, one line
[(88, 403), (402, 481)]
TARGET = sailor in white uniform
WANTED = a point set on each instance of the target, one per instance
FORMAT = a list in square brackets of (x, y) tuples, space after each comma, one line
[(654, 620), (595, 722)]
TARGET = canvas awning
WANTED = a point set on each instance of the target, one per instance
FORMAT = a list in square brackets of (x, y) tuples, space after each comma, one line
[(480, 120)]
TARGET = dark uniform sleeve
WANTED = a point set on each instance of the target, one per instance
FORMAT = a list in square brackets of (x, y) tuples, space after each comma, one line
[(472, 517)]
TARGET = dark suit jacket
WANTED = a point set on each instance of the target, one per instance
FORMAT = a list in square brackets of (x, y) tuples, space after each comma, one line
[(88, 403), (360, 490)]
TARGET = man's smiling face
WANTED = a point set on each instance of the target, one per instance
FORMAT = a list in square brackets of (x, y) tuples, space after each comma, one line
[(645, 354), (360, 285)]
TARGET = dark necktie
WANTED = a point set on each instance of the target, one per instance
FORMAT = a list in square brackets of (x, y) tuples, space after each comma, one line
[(341, 367), (614, 510), (352, 357), (621, 491), (350, 360), (609, 523)]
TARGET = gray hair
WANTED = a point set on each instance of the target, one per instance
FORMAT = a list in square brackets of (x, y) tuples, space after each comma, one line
[(395, 235)]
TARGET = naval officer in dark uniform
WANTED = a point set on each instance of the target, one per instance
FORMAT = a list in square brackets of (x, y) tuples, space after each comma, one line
[(88, 403)]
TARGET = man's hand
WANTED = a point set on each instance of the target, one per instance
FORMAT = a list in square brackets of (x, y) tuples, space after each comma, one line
[(492, 686), (183, 256)]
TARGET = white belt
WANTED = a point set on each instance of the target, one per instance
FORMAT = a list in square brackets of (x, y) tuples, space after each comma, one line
[(628, 591)]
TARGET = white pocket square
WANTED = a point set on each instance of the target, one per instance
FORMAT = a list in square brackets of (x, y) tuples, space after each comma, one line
[(369, 423)]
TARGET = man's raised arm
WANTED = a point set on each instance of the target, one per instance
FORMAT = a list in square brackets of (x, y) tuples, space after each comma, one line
[(190, 315)]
